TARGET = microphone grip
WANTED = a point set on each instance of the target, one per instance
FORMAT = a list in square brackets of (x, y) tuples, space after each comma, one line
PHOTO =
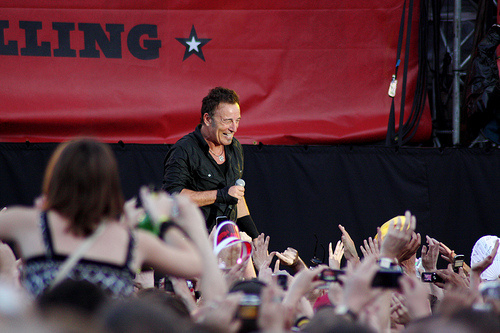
[(239, 182)]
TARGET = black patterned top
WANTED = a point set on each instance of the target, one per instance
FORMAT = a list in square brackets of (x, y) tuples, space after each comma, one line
[(40, 271)]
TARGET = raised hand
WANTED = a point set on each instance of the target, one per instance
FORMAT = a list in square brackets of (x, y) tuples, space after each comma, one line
[(371, 248), (261, 256), (446, 253), (456, 299), (481, 266), (350, 252), (398, 237), (132, 213), (272, 313), (303, 282), (290, 257), (158, 205), (430, 254), (451, 278), (358, 290), (478, 268), (415, 296), (220, 315), (335, 257), (411, 248), (399, 312), (236, 273)]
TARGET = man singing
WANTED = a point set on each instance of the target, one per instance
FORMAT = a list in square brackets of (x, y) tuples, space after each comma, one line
[(206, 163)]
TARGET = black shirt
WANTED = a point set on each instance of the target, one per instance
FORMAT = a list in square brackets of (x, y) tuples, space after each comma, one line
[(188, 165)]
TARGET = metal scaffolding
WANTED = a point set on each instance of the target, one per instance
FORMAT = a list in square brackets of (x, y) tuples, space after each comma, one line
[(457, 20), (457, 67)]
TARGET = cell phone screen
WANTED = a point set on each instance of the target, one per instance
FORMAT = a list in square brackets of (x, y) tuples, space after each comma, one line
[(458, 262), (282, 280), (427, 277), (431, 277)]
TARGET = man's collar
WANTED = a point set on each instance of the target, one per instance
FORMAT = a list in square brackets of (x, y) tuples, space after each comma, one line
[(201, 140)]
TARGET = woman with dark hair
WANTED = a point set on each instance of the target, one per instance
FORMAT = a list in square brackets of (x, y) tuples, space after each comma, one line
[(82, 194)]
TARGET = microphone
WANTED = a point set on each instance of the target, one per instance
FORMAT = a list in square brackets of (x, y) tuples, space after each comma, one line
[(315, 260), (239, 182)]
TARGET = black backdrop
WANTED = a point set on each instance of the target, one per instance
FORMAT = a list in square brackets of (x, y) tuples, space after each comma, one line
[(298, 193)]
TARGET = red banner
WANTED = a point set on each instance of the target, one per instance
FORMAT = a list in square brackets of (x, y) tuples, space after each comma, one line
[(315, 73)]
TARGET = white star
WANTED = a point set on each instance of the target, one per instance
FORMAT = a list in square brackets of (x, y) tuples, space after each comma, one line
[(193, 44)]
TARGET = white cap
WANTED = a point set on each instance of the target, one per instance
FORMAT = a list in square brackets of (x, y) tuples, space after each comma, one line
[(481, 250)]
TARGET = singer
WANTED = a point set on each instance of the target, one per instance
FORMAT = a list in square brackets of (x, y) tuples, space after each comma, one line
[(206, 163)]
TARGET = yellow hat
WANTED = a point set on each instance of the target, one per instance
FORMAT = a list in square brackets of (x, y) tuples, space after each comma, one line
[(385, 227)]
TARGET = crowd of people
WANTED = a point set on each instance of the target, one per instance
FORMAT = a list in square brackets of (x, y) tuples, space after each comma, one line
[(79, 261)]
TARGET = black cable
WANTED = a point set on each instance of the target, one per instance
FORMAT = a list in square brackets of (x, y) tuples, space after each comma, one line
[(408, 128), (405, 74), (391, 131), (411, 126)]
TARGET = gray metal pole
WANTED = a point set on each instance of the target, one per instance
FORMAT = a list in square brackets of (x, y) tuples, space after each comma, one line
[(457, 21)]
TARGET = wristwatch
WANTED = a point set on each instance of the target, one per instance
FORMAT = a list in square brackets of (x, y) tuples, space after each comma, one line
[(387, 262)]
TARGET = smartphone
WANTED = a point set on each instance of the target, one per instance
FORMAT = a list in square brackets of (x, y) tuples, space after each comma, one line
[(330, 275), (220, 219), (282, 280), (248, 313), (431, 277), (458, 262), (249, 307), (387, 278)]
